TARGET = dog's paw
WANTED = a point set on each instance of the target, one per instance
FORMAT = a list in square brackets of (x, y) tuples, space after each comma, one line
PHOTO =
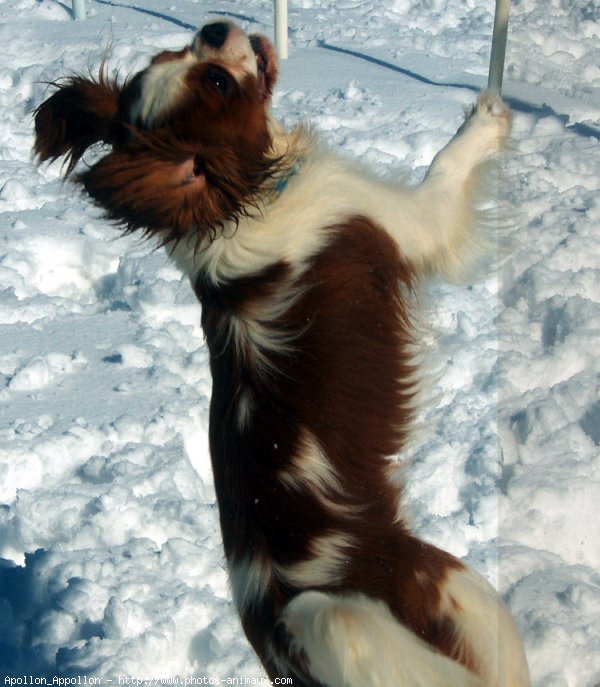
[(489, 123), (491, 104)]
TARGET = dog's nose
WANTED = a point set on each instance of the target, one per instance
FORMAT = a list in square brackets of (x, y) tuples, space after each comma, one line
[(215, 34)]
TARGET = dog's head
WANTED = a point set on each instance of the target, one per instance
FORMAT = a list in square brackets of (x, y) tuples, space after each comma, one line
[(190, 134)]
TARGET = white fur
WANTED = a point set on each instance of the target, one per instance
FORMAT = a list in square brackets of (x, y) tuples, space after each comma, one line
[(253, 334), (245, 403), (354, 641), (312, 472), (164, 83), (487, 625), (346, 640), (434, 223), (161, 87), (330, 554), (249, 579), (236, 53)]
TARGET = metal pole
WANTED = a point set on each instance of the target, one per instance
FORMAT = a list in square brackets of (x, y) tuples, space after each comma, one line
[(281, 28), (498, 46), (78, 9)]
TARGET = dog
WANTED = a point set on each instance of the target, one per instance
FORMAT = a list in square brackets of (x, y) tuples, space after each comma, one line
[(306, 268)]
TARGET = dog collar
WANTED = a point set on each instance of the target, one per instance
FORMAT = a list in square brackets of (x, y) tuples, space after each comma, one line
[(282, 183)]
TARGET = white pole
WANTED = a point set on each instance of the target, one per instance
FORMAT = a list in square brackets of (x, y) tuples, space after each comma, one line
[(281, 28), (498, 46), (78, 9)]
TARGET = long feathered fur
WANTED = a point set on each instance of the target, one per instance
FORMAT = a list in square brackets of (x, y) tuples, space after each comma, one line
[(306, 268)]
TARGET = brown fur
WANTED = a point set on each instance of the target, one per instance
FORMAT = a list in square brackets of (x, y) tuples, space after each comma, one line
[(350, 318), (310, 361), (80, 113), (199, 169)]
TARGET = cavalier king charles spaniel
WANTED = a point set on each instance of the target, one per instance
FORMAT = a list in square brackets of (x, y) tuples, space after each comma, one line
[(306, 268)]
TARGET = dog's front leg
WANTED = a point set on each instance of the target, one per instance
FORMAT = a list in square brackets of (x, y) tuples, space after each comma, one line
[(456, 183), (483, 134)]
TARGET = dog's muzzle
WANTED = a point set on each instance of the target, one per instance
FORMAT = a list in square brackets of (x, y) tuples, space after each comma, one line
[(214, 34)]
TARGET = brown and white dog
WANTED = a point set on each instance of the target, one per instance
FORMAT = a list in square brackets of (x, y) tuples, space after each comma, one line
[(305, 267)]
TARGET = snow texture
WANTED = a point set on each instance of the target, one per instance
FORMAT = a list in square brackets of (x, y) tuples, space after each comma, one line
[(110, 555)]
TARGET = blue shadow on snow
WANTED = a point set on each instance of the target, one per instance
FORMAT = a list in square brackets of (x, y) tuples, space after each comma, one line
[(516, 104)]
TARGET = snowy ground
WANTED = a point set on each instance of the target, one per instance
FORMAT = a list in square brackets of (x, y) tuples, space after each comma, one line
[(110, 556)]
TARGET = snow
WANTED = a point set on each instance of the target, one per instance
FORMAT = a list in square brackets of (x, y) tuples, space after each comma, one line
[(110, 555)]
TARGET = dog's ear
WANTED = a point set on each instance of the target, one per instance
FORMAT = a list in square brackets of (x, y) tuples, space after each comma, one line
[(80, 113), (268, 64), (145, 190)]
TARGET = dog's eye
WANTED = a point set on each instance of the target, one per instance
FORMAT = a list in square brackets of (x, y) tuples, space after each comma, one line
[(220, 79)]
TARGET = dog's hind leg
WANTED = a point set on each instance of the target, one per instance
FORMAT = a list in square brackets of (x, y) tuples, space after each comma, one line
[(351, 640), (484, 626)]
